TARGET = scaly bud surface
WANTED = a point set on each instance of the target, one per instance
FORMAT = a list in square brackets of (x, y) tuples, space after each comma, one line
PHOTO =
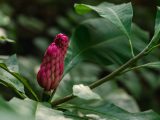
[(51, 69)]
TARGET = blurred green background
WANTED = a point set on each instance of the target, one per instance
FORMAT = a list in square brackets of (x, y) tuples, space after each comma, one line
[(34, 23)]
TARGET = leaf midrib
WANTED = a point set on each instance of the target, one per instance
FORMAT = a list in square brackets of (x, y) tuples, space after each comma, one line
[(119, 20)]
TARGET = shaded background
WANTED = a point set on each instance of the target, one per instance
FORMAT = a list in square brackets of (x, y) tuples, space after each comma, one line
[(34, 23)]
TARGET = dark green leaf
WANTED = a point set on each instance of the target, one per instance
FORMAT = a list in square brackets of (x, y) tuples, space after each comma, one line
[(10, 81), (98, 40), (82, 74), (87, 73), (120, 15), (25, 64), (12, 70)]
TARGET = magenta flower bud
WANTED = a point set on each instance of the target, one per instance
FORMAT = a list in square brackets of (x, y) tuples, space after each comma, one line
[(51, 69)]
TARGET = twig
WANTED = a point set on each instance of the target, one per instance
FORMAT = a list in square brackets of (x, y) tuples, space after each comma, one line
[(104, 79)]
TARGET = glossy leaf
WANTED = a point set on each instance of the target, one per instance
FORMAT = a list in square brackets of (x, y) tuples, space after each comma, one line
[(12, 70), (123, 100), (112, 112), (8, 80), (120, 15), (28, 109), (7, 112), (99, 41), (11, 82), (86, 73), (25, 64)]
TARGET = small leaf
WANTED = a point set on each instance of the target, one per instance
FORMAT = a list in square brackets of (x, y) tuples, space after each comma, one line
[(84, 92), (5, 39), (82, 8)]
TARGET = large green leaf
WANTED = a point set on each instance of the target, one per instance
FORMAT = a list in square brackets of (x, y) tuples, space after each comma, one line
[(25, 64), (10, 67), (28, 109), (120, 15), (85, 74), (7, 79), (11, 82), (8, 113), (98, 40), (112, 112)]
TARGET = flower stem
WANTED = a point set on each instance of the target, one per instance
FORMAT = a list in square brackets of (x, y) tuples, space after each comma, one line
[(52, 94), (108, 77), (117, 71), (63, 100), (46, 95)]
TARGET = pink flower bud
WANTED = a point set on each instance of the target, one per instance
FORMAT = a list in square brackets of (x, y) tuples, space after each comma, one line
[(51, 69)]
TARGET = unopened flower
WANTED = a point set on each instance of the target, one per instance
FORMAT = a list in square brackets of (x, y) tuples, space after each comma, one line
[(51, 69)]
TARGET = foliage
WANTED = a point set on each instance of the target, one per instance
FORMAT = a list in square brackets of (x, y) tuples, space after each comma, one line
[(110, 42)]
